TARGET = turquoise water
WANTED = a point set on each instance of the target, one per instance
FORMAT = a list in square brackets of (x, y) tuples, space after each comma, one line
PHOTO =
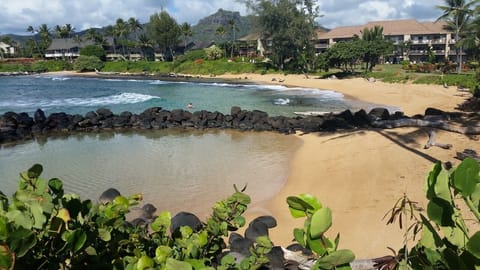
[(80, 95), (175, 170)]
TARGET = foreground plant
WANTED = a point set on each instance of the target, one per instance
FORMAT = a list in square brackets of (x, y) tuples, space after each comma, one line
[(312, 235), (445, 241)]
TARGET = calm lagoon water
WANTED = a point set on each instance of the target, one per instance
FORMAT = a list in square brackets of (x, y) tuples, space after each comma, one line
[(175, 170)]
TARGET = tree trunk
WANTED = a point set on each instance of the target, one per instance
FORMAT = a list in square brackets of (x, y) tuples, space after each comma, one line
[(409, 122)]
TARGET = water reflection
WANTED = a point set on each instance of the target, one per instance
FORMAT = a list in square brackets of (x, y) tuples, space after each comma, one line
[(174, 169)]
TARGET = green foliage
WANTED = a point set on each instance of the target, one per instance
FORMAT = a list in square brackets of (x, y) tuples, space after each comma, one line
[(88, 63), (446, 241), (164, 31), (312, 235), (213, 53), (94, 50), (41, 227), (138, 66), (290, 25)]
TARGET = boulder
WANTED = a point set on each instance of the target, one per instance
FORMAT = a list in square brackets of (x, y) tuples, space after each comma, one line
[(235, 110), (377, 114), (104, 112), (39, 116)]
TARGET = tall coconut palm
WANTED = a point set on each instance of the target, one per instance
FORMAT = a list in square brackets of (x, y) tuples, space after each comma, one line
[(110, 31), (221, 32), (121, 30), (457, 15), (144, 42), (186, 30), (234, 28), (64, 32), (34, 38), (134, 26)]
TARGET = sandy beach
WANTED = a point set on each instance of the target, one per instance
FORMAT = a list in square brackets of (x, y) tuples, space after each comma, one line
[(361, 174)]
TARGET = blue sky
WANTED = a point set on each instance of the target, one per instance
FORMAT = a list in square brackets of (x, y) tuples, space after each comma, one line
[(16, 16)]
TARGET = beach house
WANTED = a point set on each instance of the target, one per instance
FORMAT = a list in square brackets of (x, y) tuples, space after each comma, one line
[(6, 50)]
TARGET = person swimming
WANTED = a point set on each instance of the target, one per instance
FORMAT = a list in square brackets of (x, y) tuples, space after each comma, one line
[(190, 105)]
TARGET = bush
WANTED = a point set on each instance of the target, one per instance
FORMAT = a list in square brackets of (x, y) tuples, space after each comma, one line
[(214, 53), (43, 228), (88, 63), (445, 241), (94, 50)]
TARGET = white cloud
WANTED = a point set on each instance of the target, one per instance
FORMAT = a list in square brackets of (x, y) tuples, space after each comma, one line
[(16, 16)]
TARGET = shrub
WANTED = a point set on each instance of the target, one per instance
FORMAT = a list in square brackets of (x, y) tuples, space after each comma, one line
[(445, 240), (213, 53), (88, 63), (43, 228), (94, 50)]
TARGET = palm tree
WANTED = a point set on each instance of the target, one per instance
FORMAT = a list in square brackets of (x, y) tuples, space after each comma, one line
[(457, 15), (110, 31), (144, 42), (134, 26), (186, 30), (234, 28), (121, 30), (34, 32), (64, 32), (221, 33)]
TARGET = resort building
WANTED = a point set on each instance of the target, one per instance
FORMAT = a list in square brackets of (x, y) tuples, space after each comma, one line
[(413, 40), (6, 50)]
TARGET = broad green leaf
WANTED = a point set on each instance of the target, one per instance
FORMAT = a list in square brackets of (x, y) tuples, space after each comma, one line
[(440, 212), (473, 245), (21, 241), (144, 262), (239, 221), (55, 185), (429, 232), (316, 246), (442, 188), (339, 257), (20, 218), (241, 198), (91, 251), (431, 180), (297, 206), (35, 171), (228, 260), (76, 239), (104, 234), (161, 254), (311, 200), (162, 221), (299, 236), (264, 241), (186, 231), (321, 222), (173, 264), (38, 216), (466, 177), (455, 236)]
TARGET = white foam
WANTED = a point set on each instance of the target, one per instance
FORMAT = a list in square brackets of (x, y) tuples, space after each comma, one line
[(123, 98), (281, 101), (60, 78)]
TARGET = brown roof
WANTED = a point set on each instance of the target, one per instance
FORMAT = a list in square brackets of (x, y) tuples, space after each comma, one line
[(390, 28)]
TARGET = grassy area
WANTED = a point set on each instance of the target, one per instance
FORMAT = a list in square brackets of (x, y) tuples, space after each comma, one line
[(195, 63)]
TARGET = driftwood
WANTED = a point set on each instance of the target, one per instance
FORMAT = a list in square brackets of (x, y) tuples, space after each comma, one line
[(305, 262), (432, 137), (468, 153), (410, 122)]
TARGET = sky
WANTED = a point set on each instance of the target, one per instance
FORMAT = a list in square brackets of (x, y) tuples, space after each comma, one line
[(16, 16)]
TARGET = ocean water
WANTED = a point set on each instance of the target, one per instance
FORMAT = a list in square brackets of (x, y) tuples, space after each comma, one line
[(174, 169), (80, 95)]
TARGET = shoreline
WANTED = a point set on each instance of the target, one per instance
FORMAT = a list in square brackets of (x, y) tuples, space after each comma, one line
[(360, 174)]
